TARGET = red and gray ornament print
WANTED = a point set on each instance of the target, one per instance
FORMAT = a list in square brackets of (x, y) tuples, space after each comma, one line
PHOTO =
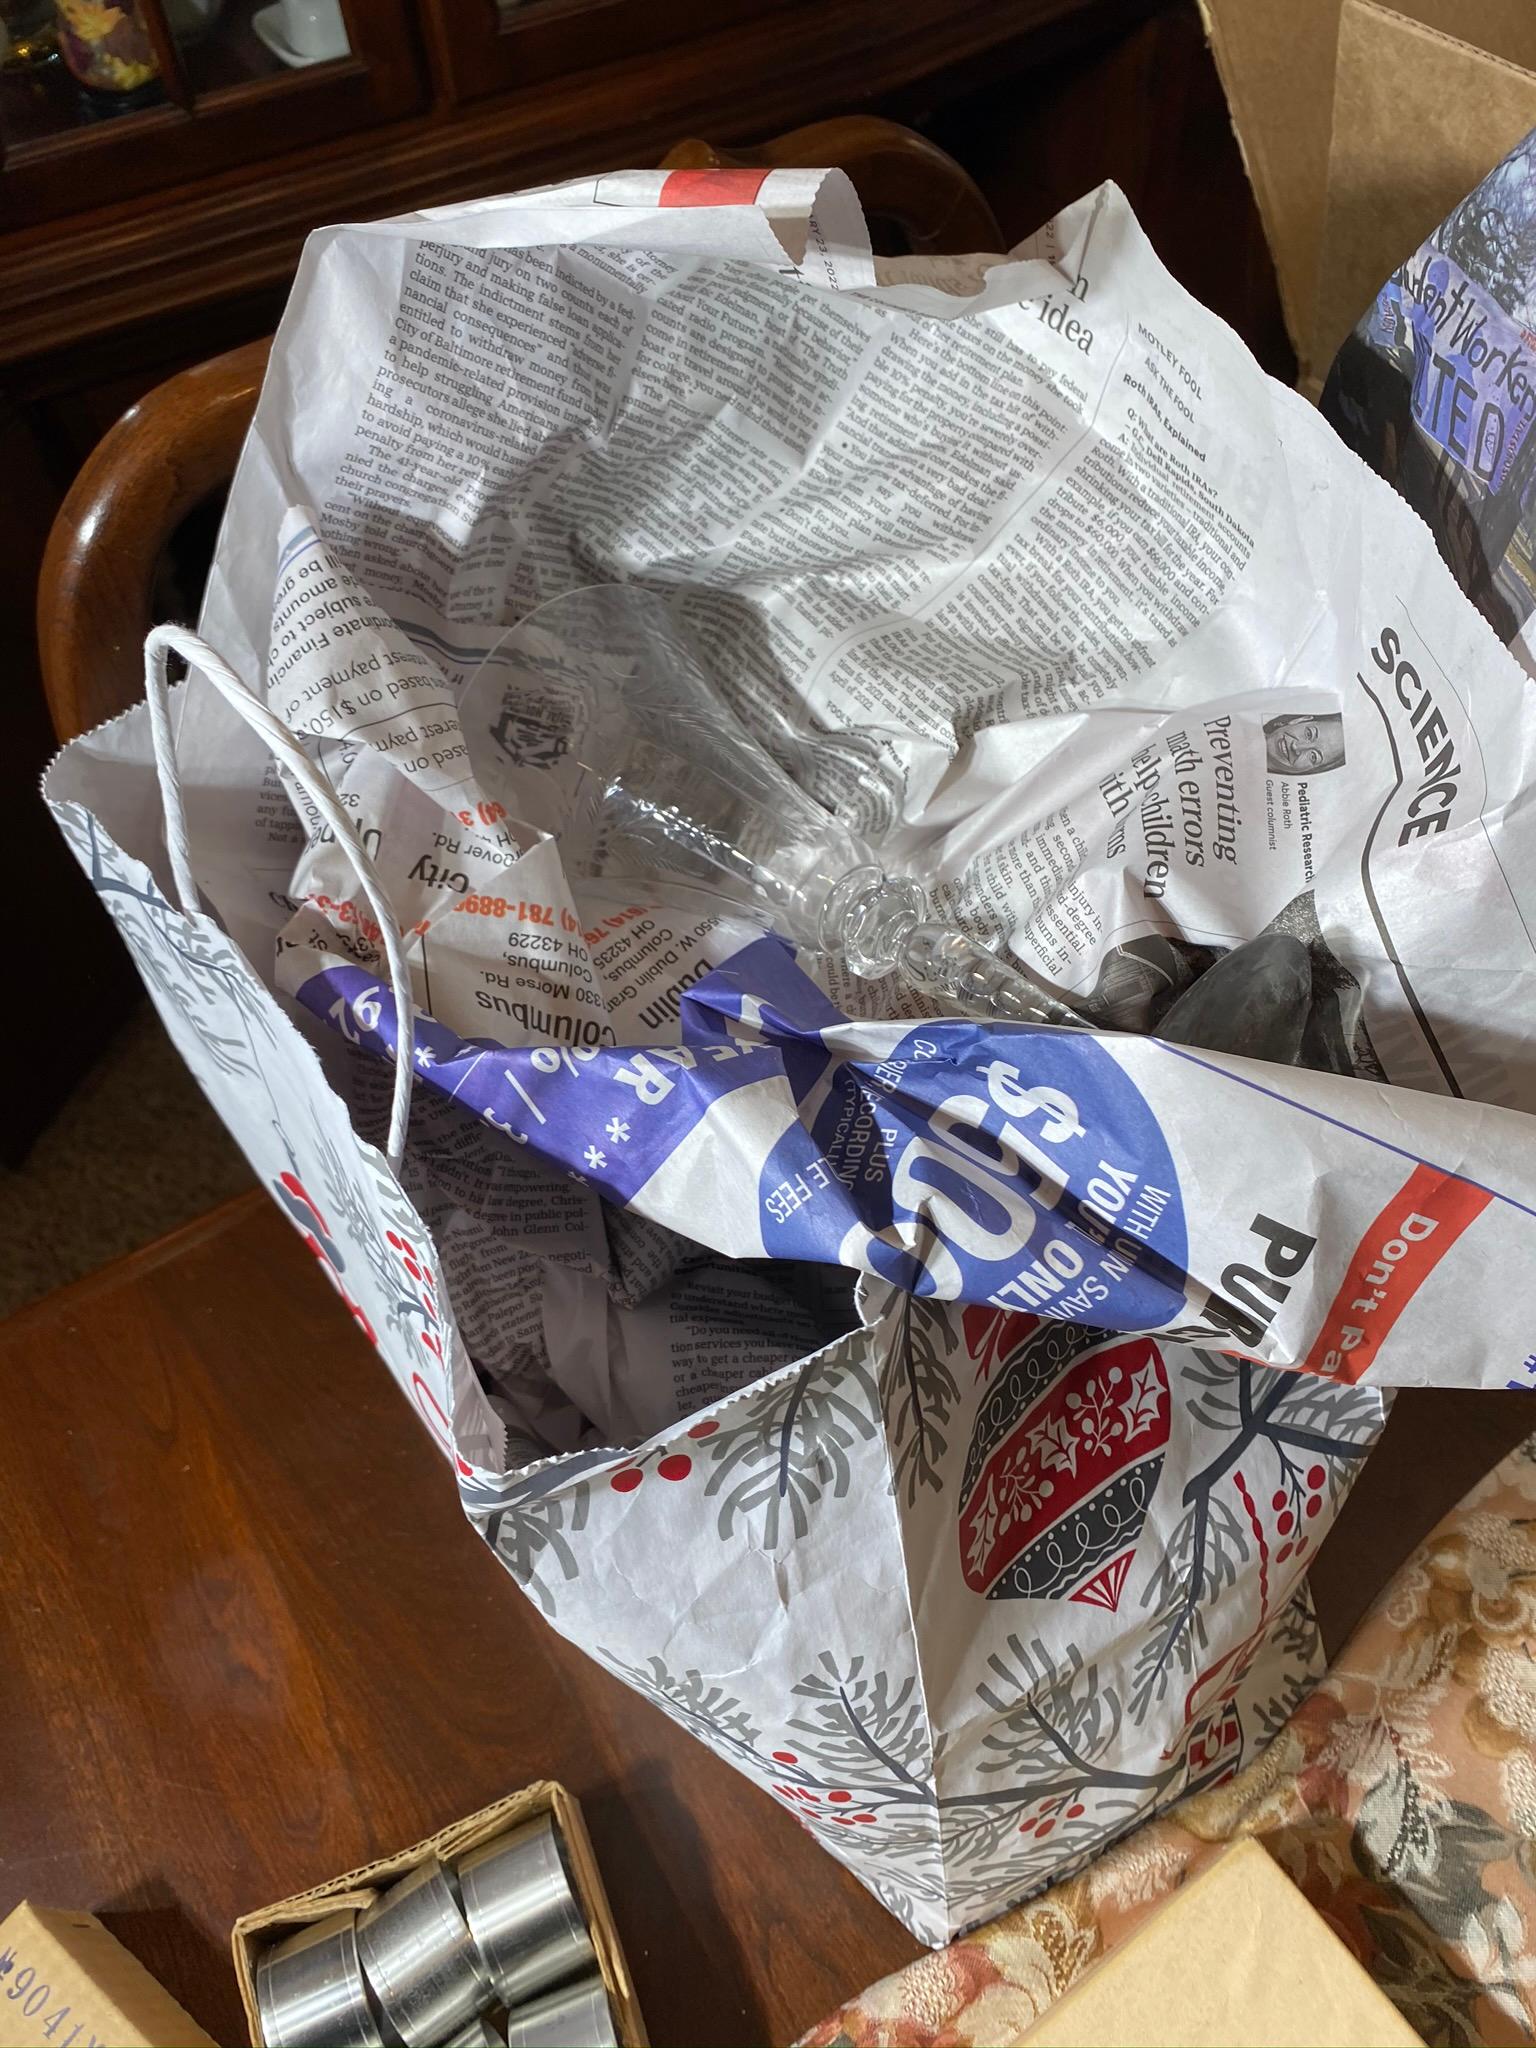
[(1065, 1457)]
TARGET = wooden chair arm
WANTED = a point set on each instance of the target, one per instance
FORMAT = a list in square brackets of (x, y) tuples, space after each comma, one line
[(163, 458)]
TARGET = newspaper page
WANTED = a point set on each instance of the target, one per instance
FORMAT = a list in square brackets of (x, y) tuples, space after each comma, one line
[(1045, 589)]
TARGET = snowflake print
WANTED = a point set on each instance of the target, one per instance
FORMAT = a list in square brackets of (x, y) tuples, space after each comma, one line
[(594, 1158), (425, 1057), (617, 1130)]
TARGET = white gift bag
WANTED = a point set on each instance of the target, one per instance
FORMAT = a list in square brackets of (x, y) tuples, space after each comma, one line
[(976, 1567), (783, 1573)]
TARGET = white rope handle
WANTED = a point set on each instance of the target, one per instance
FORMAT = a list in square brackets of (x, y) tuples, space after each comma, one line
[(162, 642)]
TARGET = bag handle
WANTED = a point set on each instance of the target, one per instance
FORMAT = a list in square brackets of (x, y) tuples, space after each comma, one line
[(286, 750)]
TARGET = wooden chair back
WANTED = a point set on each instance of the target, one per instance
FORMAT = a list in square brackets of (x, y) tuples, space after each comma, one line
[(176, 449)]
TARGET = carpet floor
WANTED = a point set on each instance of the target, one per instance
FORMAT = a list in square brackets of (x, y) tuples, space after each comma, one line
[(135, 1152)]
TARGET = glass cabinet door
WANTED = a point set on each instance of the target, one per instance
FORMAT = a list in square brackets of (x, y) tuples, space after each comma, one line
[(105, 100)]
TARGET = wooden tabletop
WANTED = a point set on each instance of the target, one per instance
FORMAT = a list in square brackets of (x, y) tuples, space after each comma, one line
[(247, 1642), (253, 1644)]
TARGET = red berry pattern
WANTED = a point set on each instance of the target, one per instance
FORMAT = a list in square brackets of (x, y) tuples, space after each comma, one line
[(1311, 1506), (1041, 1822), (675, 1467), (1288, 1510), (299, 1203), (421, 1278), (800, 1797)]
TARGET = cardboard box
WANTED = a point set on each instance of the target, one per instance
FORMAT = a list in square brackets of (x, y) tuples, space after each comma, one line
[(1362, 125), (65, 1982), (1427, 97), (1236, 1959), (1276, 68), (359, 1888)]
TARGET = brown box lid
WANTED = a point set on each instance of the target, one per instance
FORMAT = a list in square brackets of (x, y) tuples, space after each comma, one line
[(1235, 1959), (64, 1978)]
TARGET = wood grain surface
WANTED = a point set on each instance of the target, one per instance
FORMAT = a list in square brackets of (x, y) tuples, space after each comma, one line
[(247, 1642)]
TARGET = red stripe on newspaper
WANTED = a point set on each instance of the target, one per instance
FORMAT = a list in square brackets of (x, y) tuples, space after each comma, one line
[(1392, 1261), (711, 188)]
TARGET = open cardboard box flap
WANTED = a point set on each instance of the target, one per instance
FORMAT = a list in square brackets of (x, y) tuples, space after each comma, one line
[(1362, 125)]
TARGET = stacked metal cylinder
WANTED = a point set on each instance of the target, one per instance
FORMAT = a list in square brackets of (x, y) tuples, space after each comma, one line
[(492, 1949)]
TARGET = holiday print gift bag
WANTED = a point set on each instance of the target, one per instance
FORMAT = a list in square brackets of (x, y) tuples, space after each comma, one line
[(935, 1416)]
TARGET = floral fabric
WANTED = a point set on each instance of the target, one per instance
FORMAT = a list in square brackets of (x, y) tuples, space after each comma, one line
[(1401, 1797)]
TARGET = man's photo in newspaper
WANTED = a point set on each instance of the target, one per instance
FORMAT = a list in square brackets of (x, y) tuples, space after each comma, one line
[(1308, 743)]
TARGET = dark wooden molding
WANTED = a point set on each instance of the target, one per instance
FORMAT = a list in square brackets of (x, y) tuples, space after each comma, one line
[(204, 131), (241, 230)]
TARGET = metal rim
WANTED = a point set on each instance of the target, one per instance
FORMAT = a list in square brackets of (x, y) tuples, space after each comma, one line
[(351, 2017)]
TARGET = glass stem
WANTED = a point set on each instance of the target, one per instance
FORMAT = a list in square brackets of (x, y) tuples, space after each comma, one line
[(879, 924)]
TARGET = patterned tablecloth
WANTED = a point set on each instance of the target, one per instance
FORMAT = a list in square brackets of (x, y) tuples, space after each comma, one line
[(1401, 1797)]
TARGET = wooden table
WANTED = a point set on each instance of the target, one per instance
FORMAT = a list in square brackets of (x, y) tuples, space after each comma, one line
[(247, 1642)]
